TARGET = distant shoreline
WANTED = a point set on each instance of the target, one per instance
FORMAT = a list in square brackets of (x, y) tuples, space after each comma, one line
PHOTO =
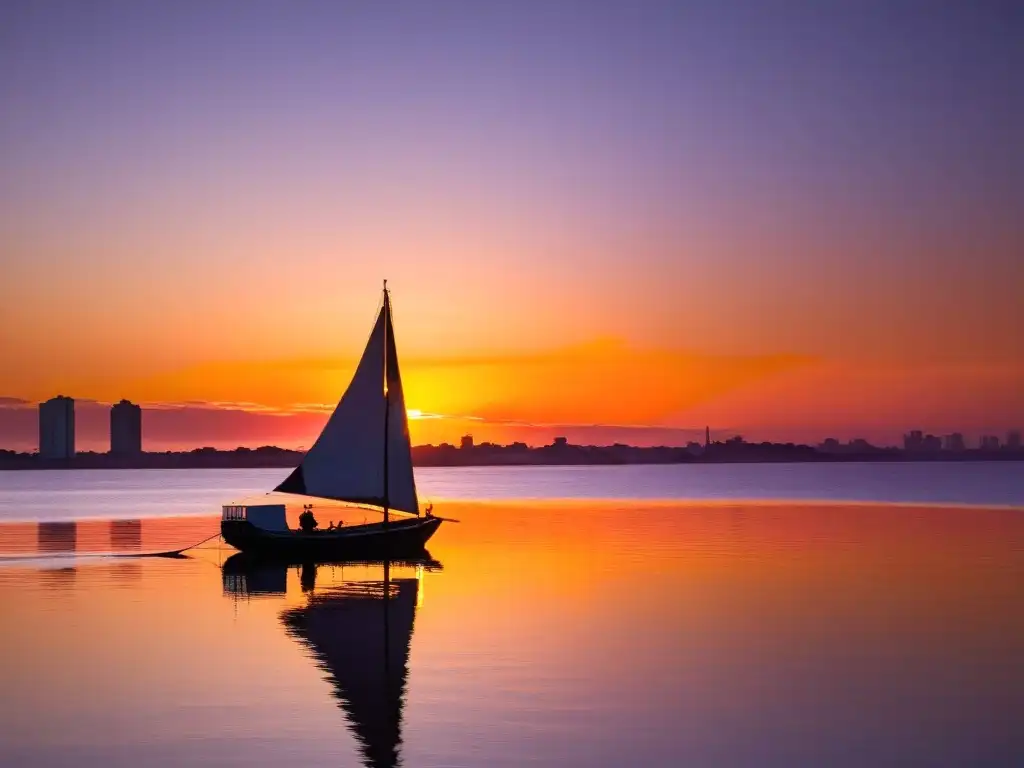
[(486, 455)]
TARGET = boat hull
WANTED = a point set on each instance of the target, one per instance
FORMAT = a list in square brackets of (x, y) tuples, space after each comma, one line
[(401, 538)]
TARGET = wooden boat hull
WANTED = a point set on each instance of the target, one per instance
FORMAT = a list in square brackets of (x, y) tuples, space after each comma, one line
[(399, 538)]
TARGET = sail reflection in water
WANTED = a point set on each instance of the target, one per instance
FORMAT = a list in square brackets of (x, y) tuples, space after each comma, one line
[(359, 632)]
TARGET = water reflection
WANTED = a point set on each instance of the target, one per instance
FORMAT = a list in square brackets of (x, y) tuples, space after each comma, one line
[(126, 573), (668, 635), (125, 534), (358, 631), (244, 576), (57, 537)]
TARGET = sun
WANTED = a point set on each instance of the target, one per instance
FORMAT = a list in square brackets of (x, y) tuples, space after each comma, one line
[(414, 413)]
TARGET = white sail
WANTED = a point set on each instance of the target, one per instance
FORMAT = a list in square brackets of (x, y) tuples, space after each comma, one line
[(346, 462), (401, 485)]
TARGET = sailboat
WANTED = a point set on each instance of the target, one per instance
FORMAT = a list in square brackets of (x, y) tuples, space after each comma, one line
[(363, 457)]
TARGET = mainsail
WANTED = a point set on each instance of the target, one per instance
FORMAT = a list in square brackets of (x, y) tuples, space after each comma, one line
[(347, 461)]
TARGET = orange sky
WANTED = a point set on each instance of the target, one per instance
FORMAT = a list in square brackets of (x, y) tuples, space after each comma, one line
[(603, 392)]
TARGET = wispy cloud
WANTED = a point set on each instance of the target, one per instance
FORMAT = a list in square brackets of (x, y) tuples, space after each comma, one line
[(20, 402), (310, 408), (418, 415)]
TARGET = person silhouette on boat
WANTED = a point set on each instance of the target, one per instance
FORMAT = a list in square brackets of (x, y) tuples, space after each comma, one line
[(307, 522), (430, 510)]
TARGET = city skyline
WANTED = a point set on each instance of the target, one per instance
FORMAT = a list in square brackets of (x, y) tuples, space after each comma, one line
[(125, 428), (616, 219)]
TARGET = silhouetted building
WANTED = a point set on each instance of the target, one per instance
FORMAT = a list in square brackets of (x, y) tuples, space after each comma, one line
[(917, 442), (467, 443), (57, 428), (913, 441), (1013, 440), (560, 442), (830, 445), (990, 443), (126, 429), (707, 436), (955, 442)]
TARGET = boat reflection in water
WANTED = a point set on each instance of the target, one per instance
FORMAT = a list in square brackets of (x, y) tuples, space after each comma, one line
[(358, 631)]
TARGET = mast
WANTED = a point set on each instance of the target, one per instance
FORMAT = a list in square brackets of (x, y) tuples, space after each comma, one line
[(387, 404)]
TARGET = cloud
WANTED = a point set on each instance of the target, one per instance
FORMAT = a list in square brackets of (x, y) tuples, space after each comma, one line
[(418, 415), (576, 383), (607, 383), (595, 393), (178, 426), (878, 402), (605, 389), (310, 407)]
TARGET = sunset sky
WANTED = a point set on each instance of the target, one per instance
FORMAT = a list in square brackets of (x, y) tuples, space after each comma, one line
[(611, 220)]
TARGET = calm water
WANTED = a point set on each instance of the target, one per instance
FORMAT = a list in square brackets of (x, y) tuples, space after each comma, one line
[(70, 495), (554, 633)]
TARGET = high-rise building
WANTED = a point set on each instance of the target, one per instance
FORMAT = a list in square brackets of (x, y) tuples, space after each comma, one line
[(914, 441), (57, 428), (126, 429), (990, 443), (955, 442)]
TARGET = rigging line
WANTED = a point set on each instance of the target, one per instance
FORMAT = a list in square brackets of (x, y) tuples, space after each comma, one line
[(208, 538), (170, 552)]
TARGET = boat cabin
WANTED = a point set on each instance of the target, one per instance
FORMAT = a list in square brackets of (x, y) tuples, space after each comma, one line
[(269, 517)]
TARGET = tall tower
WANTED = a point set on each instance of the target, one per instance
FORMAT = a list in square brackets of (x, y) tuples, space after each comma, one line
[(126, 429), (57, 428), (707, 436)]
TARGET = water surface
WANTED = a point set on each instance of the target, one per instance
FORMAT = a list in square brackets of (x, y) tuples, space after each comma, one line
[(76, 494), (569, 633)]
